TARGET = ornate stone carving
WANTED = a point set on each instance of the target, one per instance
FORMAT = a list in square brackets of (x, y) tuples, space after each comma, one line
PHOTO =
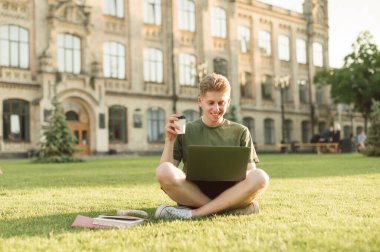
[(69, 11)]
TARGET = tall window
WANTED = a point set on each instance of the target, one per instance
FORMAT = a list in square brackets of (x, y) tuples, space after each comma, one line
[(289, 130), (305, 131), (187, 15), (114, 8), (187, 71), (15, 120), (321, 126), (117, 124), (283, 48), (266, 87), (69, 53), (303, 90), (245, 85), (265, 43), (244, 38), (113, 60), (319, 95), (269, 131), (218, 22), (301, 51), (317, 54), (153, 65), (346, 132), (249, 122), (156, 125), (220, 66), (152, 12), (191, 115), (14, 46)]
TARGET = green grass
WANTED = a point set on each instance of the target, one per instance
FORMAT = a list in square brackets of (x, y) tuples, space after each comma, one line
[(313, 203)]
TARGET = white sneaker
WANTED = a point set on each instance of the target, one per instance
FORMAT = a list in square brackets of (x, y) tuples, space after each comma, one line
[(169, 212)]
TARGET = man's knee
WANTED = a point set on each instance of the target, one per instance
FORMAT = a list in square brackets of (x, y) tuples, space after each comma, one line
[(165, 174), (259, 179)]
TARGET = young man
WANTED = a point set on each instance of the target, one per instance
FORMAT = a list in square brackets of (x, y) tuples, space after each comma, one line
[(205, 198)]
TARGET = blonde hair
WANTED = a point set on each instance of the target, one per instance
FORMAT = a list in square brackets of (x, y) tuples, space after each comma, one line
[(214, 82)]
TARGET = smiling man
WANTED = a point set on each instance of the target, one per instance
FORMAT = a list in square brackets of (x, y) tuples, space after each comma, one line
[(197, 199)]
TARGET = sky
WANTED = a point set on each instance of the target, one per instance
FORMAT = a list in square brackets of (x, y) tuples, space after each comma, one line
[(347, 18)]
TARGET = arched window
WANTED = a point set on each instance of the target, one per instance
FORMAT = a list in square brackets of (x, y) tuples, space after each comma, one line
[(117, 124), (153, 65), (72, 116), (187, 71), (191, 115), (69, 53), (152, 12), (114, 8), (187, 15), (114, 60), (218, 22), (249, 122), (269, 131), (14, 46), (156, 125), (15, 120), (305, 125), (221, 66)]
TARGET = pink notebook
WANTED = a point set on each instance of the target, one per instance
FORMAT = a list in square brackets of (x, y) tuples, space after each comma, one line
[(84, 221)]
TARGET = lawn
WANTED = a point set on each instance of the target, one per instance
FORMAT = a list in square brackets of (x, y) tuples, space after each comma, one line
[(328, 202)]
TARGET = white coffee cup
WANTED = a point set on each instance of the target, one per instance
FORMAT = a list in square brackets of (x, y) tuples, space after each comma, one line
[(181, 123)]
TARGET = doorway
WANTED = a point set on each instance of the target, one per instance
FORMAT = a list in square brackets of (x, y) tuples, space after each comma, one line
[(81, 132)]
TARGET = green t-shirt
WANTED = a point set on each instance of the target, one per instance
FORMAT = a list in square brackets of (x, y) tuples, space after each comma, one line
[(227, 134)]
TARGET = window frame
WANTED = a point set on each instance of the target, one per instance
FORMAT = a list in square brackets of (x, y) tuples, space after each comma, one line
[(14, 46), (301, 51), (244, 37), (113, 60), (114, 8), (156, 125), (67, 53), (317, 54), (269, 131), (284, 47), (23, 116), (152, 12), (117, 122), (186, 15), (187, 70), (265, 43), (153, 65), (218, 22)]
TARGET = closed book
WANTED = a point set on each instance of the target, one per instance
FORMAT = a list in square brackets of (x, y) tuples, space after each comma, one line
[(119, 223)]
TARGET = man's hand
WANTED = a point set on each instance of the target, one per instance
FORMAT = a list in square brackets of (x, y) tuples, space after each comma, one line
[(170, 128)]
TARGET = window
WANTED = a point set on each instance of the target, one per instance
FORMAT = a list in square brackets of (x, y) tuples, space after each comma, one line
[(266, 87), (15, 120), (220, 66), (72, 116), (301, 51), (244, 38), (152, 12), (191, 115), (249, 122), (114, 8), (319, 95), (117, 124), (289, 130), (346, 132), (187, 71), (14, 46), (269, 131), (305, 131), (283, 48), (153, 65), (218, 22), (113, 60), (69, 53), (264, 43), (321, 126), (317, 54), (187, 15), (245, 85), (156, 125), (303, 89)]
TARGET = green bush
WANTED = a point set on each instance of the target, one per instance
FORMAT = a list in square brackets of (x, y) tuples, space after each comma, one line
[(373, 136)]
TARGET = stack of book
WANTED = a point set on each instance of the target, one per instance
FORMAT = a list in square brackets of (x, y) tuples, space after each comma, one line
[(123, 219)]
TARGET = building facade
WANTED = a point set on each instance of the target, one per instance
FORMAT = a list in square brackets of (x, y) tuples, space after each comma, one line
[(120, 67)]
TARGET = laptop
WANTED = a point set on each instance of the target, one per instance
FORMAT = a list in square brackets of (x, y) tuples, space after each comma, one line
[(222, 163)]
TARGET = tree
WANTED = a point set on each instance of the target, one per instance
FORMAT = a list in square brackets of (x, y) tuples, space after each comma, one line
[(357, 82), (59, 143), (373, 136)]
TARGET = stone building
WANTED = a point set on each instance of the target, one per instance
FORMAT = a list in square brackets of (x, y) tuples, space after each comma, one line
[(120, 67)]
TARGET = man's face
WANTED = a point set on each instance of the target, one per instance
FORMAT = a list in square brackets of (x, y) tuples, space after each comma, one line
[(214, 105)]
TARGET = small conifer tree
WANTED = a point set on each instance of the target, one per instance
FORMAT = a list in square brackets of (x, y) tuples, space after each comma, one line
[(59, 143), (373, 136)]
